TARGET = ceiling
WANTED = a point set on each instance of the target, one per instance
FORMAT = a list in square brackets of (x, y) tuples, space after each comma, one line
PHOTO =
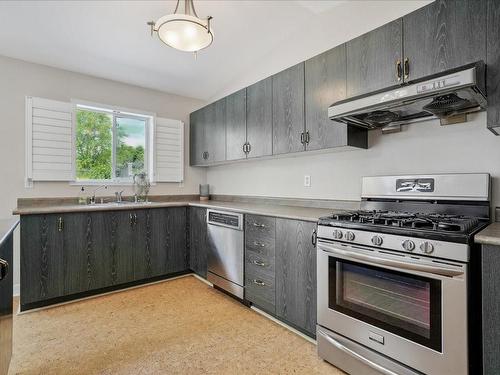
[(110, 39)]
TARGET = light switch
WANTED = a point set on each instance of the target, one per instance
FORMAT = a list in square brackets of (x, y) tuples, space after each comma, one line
[(307, 180)]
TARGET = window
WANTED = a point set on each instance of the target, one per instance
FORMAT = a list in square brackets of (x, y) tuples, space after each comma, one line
[(110, 145)]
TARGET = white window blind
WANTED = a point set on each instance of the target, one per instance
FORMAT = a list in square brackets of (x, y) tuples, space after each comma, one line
[(49, 140), (169, 150)]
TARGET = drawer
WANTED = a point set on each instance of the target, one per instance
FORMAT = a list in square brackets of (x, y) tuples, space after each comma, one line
[(260, 227), (260, 290), (255, 263)]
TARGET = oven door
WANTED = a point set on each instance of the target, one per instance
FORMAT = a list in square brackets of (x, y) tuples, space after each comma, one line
[(410, 308)]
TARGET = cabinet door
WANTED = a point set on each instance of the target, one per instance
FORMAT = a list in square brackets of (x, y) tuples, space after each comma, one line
[(372, 58), (42, 263), (198, 240), (215, 131), (444, 35), (196, 137), (123, 246), (296, 274), (325, 80), (260, 118), (141, 242), (81, 269), (493, 70), (168, 252), (236, 125), (288, 110)]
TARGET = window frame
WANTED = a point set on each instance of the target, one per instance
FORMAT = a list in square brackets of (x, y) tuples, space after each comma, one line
[(116, 112)]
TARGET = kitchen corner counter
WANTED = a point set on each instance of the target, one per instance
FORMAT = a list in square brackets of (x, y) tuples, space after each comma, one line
[(7, 226), (490, 235), (275, 210)]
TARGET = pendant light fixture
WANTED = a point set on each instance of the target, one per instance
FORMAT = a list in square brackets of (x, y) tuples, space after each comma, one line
[(184, 30)]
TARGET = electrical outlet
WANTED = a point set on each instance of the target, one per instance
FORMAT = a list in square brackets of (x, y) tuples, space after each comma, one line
[(307, 180)]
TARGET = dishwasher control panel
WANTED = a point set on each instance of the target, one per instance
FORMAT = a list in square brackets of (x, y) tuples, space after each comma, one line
[(226, 219)]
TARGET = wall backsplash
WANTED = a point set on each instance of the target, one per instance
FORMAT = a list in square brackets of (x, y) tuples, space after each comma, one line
[(420, 148)]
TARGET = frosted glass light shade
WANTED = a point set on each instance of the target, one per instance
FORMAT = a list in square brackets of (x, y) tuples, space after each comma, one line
[(184, 32)]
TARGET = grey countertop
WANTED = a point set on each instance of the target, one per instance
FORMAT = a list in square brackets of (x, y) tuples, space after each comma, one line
[(490, 235), (288, 212), (7, 226)]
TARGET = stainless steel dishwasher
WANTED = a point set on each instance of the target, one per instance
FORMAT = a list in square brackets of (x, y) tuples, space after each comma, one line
[(225, 251)]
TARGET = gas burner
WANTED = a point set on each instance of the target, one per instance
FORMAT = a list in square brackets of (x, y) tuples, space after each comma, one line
[(400, 219)]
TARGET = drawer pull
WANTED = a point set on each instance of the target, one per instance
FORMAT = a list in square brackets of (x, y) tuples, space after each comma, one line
[(260, 244), (259, 282), (259, 263), (60, 224), (259, 225)]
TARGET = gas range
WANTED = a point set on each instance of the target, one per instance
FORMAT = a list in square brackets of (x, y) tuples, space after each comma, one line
[(394, 278)]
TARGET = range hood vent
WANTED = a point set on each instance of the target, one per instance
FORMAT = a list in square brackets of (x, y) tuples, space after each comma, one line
[(449, 96)]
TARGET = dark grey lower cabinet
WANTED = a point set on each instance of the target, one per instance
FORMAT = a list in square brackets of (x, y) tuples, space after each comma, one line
[(74, 253), (198, 243), (296, 274)]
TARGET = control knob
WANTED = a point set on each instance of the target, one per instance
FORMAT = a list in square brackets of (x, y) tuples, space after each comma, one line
[(377, 240), (349, 236), (408, 245), (427, 247), (337, 234)]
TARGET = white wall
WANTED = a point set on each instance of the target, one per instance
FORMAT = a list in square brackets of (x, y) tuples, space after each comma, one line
[(420, 148), (19, 78)]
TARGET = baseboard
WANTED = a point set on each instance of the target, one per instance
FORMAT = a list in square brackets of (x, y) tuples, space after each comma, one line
[(297, 332)]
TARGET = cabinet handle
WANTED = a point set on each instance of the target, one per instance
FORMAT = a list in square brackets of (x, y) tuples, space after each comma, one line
[(4, 269), (259, 282), (131, 218), (407, 68), (308, 137), (258, 225), (256, 243), (314, 237), (135, 219), (302, 137), (259, 263), (245, 148), (249, 147), (398, 70), (60, 224)]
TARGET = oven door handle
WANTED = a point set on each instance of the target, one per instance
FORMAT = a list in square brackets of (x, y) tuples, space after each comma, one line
[(352, 353), (442, 271)]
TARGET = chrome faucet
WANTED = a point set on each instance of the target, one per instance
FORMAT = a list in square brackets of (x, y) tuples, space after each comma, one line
[(92, 198), (118, 195)]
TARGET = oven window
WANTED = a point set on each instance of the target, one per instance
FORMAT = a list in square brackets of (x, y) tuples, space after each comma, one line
[(401, 303)]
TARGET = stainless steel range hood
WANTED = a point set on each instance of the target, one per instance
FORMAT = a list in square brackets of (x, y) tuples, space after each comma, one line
[(449, 96)]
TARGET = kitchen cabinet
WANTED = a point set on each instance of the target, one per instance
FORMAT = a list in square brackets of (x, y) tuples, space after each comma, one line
[(169, 241), (236, 125), (259, 110), (443, 35), (87, 252), (208, 134), (42, 266), (198, 244), (288, 110), (493, 66), (260, 262), (325, 84), (296, 274), (372, 59), (197, 137)]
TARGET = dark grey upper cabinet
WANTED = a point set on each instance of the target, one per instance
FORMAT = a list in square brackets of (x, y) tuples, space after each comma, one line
[(296, 274), (493, 69), (260, 118), (444, 35), (215, 131), (197, 137), (372, 59), (325, 84), (236, 125), (288, 110)]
